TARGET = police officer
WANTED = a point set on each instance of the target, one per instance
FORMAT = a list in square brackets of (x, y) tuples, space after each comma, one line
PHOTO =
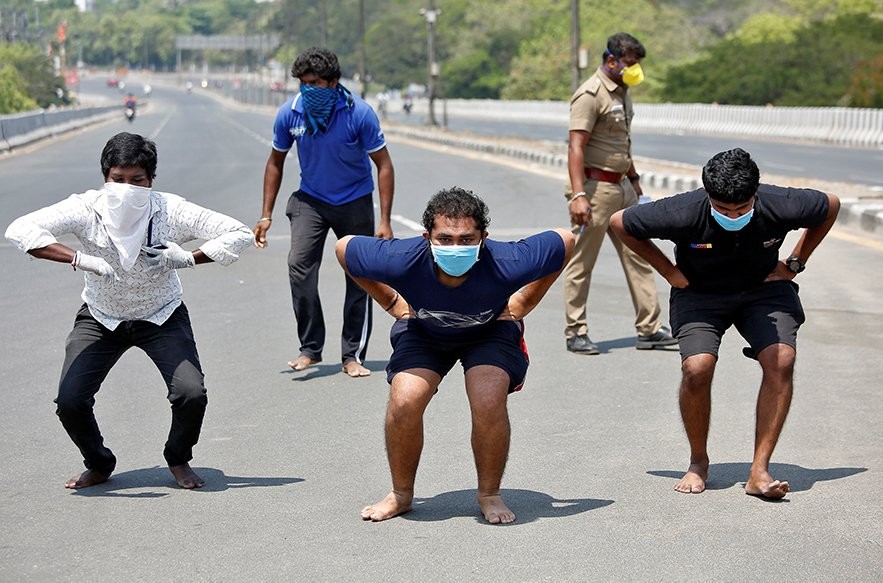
[(603, 180)]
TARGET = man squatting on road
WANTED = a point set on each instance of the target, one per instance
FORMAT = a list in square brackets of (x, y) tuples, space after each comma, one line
[(455, 295), (130, 236), (727, 238)]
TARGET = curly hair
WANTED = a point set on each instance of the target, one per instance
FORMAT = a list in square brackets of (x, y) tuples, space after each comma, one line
[(318, 61), (456, 203), (731, 176)]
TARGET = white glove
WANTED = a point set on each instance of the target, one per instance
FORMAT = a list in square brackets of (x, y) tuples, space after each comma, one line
[(171, 257), (95, 265)]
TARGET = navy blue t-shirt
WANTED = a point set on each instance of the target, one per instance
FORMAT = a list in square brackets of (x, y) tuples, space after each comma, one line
[(714, 259), (445, 312)]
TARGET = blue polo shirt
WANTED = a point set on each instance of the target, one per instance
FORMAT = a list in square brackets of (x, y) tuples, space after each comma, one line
[(334, 165)]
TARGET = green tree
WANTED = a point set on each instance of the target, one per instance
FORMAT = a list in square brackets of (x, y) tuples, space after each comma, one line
[(13, 98), (396, 50), (866, 87), (40, 83), (475, 76), (541, 71), (812, 65)]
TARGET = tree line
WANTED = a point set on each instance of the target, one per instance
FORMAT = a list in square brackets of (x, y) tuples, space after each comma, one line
[(747, 52)]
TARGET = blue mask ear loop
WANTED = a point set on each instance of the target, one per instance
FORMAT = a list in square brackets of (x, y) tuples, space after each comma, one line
[(607, 53)]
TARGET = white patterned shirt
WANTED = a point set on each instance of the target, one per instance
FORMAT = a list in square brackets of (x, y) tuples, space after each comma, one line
[(150, 296)]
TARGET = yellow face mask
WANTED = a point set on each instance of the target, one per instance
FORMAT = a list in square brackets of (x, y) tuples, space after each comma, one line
[(633, 75)]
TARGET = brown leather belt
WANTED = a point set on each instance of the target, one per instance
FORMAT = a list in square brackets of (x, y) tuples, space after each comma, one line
[(604, 175)]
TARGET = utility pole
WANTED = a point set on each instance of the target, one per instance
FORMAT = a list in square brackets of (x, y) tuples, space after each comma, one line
[(362, 58), (574, 46), (431, 15), (324, 18)]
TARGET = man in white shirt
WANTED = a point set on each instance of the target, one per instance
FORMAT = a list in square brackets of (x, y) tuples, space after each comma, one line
[(130, 236)]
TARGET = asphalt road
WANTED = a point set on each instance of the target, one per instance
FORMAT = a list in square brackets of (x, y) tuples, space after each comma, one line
[(291, 458)]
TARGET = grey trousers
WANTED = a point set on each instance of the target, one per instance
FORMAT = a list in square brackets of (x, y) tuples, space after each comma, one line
[(311, 219)]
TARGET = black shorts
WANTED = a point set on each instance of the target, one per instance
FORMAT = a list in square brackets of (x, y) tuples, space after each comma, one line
[(499, 344), (768, 314)]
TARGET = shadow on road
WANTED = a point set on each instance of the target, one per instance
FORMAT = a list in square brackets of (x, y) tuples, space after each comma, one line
[(727, 475), (128, 484), (527, 505), (628, 342), (329, 369)]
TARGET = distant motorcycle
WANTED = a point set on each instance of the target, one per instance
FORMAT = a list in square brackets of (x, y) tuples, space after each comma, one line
[(130, 104)]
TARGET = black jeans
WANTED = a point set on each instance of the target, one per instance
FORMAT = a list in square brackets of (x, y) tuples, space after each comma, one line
[(311, 219), (92, 350)]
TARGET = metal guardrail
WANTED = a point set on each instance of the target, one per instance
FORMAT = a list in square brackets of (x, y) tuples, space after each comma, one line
[(833, 125), (23, 128)]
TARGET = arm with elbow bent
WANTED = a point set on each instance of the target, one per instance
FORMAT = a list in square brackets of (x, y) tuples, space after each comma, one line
[(649, 251), (522, 302), (386, 297), (813, 236), (808, 241), (77, 259)]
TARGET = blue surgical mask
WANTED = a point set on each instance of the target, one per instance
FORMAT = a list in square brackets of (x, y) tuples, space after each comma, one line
[(729, 224), (455, 260)]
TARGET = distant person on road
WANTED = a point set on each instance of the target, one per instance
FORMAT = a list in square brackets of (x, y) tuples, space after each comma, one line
[(130, 236), (603, 180), (455, 295), (727, 273), (338, 136)]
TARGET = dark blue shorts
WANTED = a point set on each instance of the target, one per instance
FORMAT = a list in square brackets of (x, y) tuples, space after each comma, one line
[(499, 344), (767, 314)]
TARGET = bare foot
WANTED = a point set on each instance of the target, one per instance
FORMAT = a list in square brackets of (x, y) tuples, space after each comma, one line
[(494, 510), (693, 481), (186, 477), (302, 362), (86, 479), (391, 506), (355, 370), (762, 484)]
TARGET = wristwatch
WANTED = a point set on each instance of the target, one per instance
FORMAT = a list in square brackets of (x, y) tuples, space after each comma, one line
[(794, 264)]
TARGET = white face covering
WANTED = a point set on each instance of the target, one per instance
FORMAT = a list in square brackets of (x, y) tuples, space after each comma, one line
[(125, 210)]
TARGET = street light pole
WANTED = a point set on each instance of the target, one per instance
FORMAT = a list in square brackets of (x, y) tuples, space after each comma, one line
[(431, 15), (324, 18), (574, 46), (362, 58)]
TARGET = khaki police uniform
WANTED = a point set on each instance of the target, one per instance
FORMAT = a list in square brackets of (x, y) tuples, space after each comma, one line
[(603, 108)]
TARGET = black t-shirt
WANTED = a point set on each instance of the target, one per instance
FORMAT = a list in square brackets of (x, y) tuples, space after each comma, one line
[(714, 259)]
